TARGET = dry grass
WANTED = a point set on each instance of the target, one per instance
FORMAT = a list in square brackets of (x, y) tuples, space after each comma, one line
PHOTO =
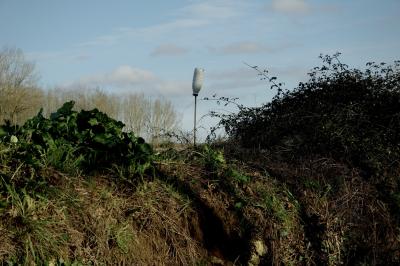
[(345, 219), (248, 211), (95, 222), (306, 212)]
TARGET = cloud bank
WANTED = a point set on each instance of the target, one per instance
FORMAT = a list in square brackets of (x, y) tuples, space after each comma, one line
[(126, 78)]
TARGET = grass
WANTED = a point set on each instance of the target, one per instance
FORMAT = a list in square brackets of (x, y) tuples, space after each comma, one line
[(201, 207), (93, 222)]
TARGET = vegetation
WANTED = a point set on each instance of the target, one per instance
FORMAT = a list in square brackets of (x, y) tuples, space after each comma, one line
[(21, 98), (335, 142), (310, 178), (348, 114), (147, 117)]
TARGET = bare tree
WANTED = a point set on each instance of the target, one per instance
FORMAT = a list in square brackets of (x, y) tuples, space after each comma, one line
[(162, 117), (20, 99), (19, 95), (135, 112), (105, 102), (148, 117)]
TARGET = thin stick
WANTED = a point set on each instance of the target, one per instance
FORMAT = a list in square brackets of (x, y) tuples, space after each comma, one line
[(194, 128)]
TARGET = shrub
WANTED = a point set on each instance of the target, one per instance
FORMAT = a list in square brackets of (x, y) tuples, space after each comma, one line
[(348, 114)]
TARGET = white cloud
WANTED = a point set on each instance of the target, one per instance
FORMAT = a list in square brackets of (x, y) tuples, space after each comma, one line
[(127, 78), (122, 76), (192, 16), (152, 31), (291, 6), (169, 50)]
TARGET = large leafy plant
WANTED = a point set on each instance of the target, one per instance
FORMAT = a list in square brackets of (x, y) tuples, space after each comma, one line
[(90, 139)]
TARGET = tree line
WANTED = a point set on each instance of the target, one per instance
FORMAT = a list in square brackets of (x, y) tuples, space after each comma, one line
[(21, 98)]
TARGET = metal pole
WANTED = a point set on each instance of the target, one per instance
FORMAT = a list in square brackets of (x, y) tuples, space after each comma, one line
[(194, 128)]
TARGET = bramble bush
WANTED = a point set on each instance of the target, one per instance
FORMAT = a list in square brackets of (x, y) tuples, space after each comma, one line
[(349, 114)]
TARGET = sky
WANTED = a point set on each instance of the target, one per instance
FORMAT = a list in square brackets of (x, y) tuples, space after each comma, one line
[(124, 46)]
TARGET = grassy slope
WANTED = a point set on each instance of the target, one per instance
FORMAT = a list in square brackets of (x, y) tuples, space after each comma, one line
[(201, 208), (96, 220)]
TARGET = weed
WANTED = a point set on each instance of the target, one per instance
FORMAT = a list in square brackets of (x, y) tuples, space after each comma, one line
[(237, 176), (122, 235), (63, 157), (213, 159), (39, 237)]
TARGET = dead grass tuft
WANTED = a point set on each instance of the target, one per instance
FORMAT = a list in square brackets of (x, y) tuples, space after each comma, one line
[(96, 222)]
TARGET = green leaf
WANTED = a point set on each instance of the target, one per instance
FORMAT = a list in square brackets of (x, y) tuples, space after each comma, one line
[(2, 132), (93, 122), (238, 205), (65, 110)]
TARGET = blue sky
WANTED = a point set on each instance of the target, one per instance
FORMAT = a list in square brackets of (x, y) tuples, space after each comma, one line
[(153, 46)]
